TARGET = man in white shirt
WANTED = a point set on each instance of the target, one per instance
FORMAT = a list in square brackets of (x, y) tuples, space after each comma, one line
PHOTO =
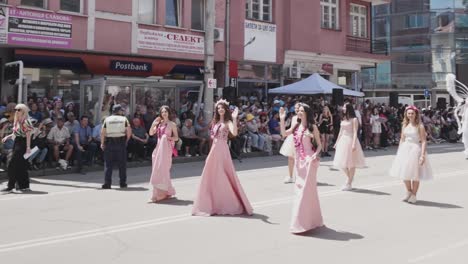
[(59, 140)]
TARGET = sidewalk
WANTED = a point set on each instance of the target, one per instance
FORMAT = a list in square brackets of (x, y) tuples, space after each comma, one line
[(133, 164)]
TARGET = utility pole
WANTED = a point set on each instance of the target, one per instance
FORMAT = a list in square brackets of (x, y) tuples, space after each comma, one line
[(227, 29), (209, 58)]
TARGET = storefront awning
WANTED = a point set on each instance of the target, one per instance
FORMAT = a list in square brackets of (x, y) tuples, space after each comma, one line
[(104, 64)]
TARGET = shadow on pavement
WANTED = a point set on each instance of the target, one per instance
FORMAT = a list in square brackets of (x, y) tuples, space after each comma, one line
[(263, 218), (64, 185), (365, 191), (141, 172), (32, 193), (439, 205), (174, 201), (324, 184), (331, 234), (132, 189)]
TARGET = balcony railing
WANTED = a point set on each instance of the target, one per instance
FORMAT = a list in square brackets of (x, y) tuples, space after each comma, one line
[(364, 45)]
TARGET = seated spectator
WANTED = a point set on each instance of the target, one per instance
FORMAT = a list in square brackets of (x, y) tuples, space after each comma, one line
[(190, 139), (39, 140), (203, 131), (35, 113), (149, 117), (274, 127), (84, 145), (42, 108), (71, 124), (70, 108), (258, 141), (97, 140), (264, 131), (57, 111), (136, 145), (6, 128), (59, 140), (139, 114)]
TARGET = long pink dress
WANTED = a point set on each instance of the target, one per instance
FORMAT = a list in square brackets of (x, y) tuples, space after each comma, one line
[(162, 162), (306, 213), (220, 192), (345, 157)]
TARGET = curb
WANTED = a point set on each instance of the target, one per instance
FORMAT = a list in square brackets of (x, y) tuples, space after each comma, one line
[(133, 164)]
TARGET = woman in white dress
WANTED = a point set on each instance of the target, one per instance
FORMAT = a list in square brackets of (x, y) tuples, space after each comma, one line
[(411, 164), (288, 149)]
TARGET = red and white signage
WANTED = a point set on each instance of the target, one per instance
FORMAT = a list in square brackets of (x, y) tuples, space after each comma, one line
[(212, 84), (170, 41)]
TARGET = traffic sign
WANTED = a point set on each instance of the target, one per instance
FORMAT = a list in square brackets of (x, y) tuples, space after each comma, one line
[(233, 82), (426, 92), (212, 84)]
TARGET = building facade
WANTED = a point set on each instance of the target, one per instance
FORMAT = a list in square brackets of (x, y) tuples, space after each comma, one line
[(428, 41), (150, 52)]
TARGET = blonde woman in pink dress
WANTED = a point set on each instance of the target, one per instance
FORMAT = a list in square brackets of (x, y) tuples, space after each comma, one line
[(220, 192), (411, 164), (348, 150), (306, 213), (166, 131)]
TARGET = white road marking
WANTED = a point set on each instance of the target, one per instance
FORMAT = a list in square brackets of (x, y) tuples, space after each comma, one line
[(178, 218), (439, 251)]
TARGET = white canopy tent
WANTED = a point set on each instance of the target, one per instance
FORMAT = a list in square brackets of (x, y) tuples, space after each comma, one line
[(314, 84)]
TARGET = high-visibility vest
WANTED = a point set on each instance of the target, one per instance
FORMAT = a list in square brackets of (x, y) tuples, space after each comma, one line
[(116, 126)]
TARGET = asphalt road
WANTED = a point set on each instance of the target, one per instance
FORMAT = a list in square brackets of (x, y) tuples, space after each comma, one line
[(68, 219)]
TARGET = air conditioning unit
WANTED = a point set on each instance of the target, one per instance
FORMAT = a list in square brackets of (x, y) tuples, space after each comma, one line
[(218, 34), (294, 72)]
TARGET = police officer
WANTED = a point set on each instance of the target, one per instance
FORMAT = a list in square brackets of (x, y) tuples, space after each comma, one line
[(115, 133)]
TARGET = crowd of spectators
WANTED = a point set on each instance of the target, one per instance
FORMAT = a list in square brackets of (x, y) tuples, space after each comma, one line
[(65, 139)]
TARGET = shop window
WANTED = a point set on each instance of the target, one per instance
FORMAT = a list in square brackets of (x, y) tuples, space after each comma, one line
[(173, 11), (152, 98), (4, 2), (358, 23), (330, 13), (258, 10), (414, 59), (34, 3), (198, 14), (146, 11), (251, 71), (415, 21), (345, 78), (72, 5), (54, 83)]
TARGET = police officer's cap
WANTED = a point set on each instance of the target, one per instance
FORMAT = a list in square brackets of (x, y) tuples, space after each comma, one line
[(116, 108)]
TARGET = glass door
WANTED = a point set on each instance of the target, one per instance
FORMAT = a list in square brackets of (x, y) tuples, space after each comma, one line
[(91, 94)]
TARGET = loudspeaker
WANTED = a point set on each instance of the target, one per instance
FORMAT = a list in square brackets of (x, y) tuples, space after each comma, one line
[(337, 97), (393, 99), (441, 103)]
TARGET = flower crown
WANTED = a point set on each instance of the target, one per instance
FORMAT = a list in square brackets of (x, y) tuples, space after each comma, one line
[(412, 107), (222, 101)]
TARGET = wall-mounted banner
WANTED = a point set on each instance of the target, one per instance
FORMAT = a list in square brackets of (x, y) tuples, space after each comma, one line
[(40, 29), (131, 66), (170, 41), (3, 24), (260, 41)]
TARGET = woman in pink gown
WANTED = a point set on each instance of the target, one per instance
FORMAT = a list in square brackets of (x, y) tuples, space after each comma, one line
[(306, 213), (348, 154), (166, 132), (220, 192)]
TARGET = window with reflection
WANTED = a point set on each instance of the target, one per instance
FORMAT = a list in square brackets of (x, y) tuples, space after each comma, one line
[(146, 11), (173, 11)]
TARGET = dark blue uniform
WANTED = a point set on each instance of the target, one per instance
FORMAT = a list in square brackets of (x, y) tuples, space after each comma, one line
[(115, 148)]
